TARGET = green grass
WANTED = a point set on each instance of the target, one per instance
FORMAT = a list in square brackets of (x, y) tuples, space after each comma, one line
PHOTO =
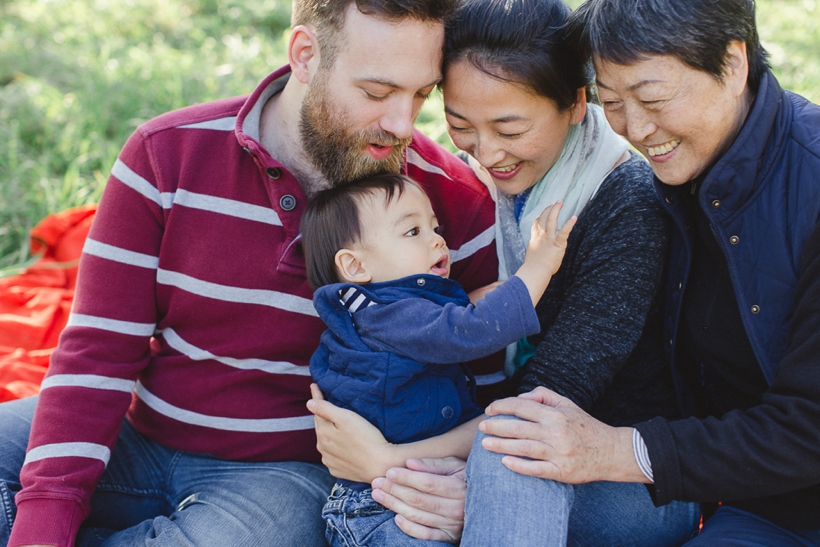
[(77, 76)]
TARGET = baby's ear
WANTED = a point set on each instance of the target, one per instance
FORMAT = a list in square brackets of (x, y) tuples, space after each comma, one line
[(351, 269)]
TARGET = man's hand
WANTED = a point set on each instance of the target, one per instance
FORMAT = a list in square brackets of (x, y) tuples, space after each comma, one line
[(428, 498), (351, 447), (560, 441)]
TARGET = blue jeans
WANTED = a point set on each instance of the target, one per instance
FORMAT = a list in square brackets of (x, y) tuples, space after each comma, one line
[(506, 508), (153, 494), (730, 527), (354, 519)]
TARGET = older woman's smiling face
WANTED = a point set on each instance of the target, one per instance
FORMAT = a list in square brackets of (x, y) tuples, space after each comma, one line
[(680, 118)]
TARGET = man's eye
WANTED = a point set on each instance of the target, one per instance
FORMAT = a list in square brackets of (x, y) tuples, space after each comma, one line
[(373, 97)]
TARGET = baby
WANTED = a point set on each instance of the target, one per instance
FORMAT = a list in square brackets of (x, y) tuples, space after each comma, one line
[(399, 329)]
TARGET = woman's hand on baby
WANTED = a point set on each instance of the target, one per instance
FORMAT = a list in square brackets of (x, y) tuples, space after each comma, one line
[(547, 243), (351, 447), (427, 497), (557, 440)]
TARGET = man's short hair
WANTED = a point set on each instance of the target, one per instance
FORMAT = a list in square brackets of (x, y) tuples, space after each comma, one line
[(332, 222), (328, 17), (697, 32)]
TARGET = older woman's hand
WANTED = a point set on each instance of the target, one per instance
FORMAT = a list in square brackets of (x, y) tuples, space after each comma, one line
[(563, 443), (428, 497)]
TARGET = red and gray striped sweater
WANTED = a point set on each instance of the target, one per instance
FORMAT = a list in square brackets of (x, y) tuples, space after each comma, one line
[(195, 245)]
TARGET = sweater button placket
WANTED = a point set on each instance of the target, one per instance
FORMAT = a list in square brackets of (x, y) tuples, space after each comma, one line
[(734, 240), (755, 309)]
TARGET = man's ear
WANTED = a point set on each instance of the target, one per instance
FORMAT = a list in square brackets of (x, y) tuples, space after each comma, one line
[(579, 109), (303, 52), (736, 71), (350, 268)]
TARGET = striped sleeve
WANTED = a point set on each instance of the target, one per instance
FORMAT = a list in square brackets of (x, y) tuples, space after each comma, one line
[(103, 348)]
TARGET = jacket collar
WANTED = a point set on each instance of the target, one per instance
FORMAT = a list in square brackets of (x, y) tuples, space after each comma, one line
[(736, 175)]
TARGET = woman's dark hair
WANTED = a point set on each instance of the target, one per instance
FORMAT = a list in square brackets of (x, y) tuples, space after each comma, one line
[(521, 41), (695, 31), (331, 222)]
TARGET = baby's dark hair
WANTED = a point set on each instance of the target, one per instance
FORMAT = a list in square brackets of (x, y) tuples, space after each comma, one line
[(331, 222)]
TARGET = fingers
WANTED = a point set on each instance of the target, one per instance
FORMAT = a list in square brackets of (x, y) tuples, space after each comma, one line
[(563, 234), (428, 482), (420, 524), (533, 468), (438, 466), (544, 396), (524, 408), (450, 534), (420, 514), (316, 393)]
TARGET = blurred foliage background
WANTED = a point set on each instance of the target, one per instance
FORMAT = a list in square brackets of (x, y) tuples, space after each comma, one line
[(78, 76)]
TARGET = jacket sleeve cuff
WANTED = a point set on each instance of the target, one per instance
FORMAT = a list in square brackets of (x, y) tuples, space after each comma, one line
[(666, 470), (46, 522)]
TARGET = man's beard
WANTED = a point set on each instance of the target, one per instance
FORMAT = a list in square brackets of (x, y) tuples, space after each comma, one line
[(340, 156)]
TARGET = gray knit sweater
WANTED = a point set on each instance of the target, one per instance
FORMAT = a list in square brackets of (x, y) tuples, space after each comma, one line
[(600, 340)]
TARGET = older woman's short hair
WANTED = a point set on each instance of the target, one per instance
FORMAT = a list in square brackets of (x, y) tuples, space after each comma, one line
[(697, 32)]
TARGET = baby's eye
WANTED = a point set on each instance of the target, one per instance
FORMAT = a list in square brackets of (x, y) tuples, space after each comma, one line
[(412, 232), (438, 229)]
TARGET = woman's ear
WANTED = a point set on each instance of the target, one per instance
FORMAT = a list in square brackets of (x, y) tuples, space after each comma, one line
[(350, 267), (736, 71), (303, 52), (579, 109)]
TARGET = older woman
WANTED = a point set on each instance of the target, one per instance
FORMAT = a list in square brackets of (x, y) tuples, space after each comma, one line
[(737, 166)]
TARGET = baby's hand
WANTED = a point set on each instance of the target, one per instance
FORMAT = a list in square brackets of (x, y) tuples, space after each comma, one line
[(548, 244), (545, 251)]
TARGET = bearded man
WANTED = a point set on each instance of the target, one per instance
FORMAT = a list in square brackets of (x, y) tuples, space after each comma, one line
[(174, 409)]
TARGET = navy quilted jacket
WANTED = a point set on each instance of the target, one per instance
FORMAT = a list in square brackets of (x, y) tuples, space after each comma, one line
[(393, 353), (763, 199)]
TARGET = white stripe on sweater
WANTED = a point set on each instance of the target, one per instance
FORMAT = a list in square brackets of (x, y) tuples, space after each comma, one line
[(135, 181), (65, 450), (263, 425), (113, 325), (198, 354), (194, 200), (117, 254), (92, 381), (227, 293), (416, 159), (228, 207), (219, 124), (474, 245)]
